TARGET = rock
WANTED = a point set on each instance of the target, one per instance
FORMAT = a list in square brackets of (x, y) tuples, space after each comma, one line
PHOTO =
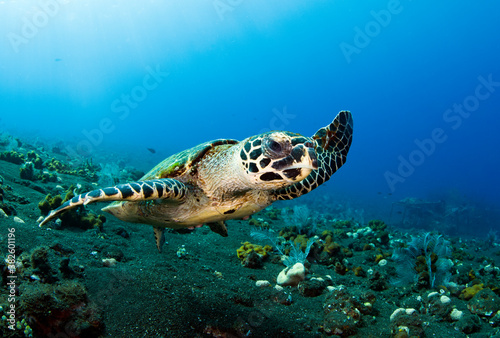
[(456, 314), (18, 220), (444, 299), (122, 232), (262, 283), (3, 214), (485, 303), (495, 320), (344, 310), (469, 324), (109, 262), (312, 288), (407, 320), (382, 262)]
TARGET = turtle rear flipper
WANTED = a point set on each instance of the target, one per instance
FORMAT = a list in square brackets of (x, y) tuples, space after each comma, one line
[(166, 188), (332, 144)]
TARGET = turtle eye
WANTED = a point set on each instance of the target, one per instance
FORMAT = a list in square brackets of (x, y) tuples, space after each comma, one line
[(275, 146)]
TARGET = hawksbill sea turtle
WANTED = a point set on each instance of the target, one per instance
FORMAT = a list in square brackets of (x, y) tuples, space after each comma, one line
[(225, 179)]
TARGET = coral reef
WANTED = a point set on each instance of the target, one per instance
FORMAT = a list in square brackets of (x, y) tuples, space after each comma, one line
[(12, 157), (252, 255), (425, 260), (79, 217)]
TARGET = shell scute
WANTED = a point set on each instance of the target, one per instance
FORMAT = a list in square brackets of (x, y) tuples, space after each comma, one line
[(179, 164)]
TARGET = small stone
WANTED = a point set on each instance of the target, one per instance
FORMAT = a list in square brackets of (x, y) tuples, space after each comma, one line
[(262, 283), (109, 262), (432, 294), (3, 214), (312, 288), (278, 287), (456, 314), (18, 220), (39, 219), (397, 312), (410, 311), (445, 299), (382, 262)]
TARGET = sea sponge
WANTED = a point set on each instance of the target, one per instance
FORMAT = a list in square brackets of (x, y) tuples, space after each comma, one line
[(12, 157), (35, 159), (377, 225), (248, 247), (55, 307), (49, 203), (471, 291), (252, 255)]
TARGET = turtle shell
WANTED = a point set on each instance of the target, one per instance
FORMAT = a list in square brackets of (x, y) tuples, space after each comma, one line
[(179, 164)]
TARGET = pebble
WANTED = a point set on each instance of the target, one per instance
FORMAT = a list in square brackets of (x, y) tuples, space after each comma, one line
[(18, 220), (456, 314), (262, 283), (109, 262), (445, 299), (39, 219), (3, 214), (382, 262)]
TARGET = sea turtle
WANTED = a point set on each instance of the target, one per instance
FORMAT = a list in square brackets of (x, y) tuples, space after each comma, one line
[(225, 179)]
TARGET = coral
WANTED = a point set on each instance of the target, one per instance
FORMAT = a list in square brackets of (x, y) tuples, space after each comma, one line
[(272, 213), (344, 310), (52, 202), (12, 157), (485, 303), (87, 170), (377, 225), (292, 275), (57, 166), (424, 260), (27, 172), (294, 249), (471, 291), (60, 307), (35, 159), (251, 255), (358, 271), (302, 218), (339, 224), (41, 265), (76, 217), (295, 254), (258, 223)]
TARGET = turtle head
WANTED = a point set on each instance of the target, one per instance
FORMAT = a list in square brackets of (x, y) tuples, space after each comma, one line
[(277, 159)]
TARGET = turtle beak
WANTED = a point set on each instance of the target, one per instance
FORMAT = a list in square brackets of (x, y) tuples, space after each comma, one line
[(313, 158), (305, 157)]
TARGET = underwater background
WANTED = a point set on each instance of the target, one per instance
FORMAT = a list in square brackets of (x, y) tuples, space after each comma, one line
[(232, 69), (138, 81)]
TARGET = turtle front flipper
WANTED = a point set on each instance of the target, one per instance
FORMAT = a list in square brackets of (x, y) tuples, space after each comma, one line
[(332, 144), (166, 188)]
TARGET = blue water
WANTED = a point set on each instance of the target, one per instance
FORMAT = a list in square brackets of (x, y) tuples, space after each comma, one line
[(122, 77)]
